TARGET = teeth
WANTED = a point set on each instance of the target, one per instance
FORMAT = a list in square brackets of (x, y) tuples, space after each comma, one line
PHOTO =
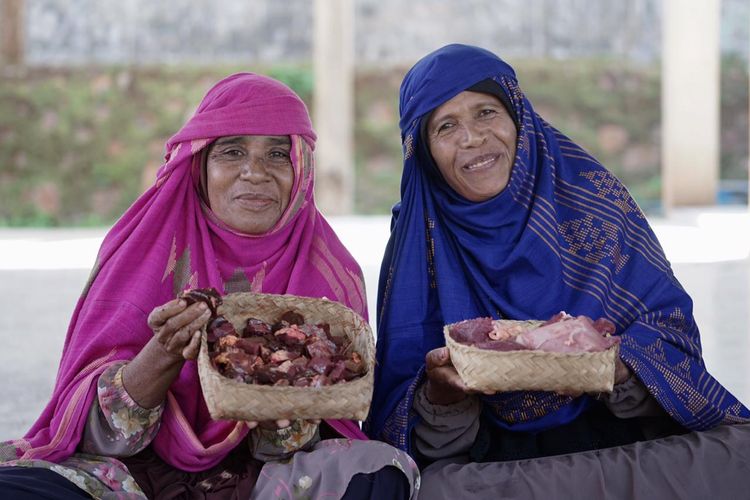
[(480, 164)]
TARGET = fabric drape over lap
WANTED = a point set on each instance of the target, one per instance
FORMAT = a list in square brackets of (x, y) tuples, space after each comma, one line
[(169, 241), (564, 234)]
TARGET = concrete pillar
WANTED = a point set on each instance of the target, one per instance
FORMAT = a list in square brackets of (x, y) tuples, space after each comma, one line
[(690, 102), (11, 31), (334, 105)]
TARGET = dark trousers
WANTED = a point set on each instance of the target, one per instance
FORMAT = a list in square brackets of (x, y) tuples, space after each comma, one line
[(388, 482), (34, 483)]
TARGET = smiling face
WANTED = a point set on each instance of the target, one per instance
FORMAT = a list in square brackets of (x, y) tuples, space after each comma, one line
[(249, 181), (473, 141)]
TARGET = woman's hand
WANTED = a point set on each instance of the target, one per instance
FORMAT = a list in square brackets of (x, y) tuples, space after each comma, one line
[(622, 372), (273, 425), (176, 327), (444, 385)]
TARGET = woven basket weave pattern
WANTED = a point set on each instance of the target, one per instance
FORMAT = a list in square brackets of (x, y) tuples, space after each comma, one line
[(234, 400), (488, 370)]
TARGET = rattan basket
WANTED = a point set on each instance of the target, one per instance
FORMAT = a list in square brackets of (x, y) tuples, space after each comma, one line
[(487, 370), (234, 400)]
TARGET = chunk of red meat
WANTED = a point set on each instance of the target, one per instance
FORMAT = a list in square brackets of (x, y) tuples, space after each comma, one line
[(219, 327), (604, 326), (283, 355), (337, 373), (210, 296), (291, 335), (256, 328), (320, 348), (320, 364), (471, 331), (237, 364), (252, 345)]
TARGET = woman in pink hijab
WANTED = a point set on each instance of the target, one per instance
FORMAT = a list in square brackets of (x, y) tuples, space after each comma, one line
[(232, 208)]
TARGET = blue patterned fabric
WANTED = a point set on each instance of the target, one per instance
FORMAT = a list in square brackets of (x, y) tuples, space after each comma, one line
[(563, 235)]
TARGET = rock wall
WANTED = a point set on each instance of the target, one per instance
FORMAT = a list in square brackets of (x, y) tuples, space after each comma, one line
[(60, 32)]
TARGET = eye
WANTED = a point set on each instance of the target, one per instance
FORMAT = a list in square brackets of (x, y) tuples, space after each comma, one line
[(443, 128), (487, 113), (227, 152), (279, 155)]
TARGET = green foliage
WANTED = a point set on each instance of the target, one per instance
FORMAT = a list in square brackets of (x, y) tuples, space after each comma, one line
[(77, 146)]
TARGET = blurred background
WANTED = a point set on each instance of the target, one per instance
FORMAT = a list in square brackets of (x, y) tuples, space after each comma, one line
[(90, 90)]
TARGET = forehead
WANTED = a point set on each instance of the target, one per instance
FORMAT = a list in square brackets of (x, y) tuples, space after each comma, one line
[(254, 140), (466, 100)]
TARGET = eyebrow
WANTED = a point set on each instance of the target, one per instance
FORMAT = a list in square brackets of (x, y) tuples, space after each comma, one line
[(479, 104), (274, 140)]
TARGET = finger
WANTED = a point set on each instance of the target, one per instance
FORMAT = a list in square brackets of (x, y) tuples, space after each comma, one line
[(179, 340), (186, 317), (191, 350), (447, 376), (437, 357), (161, 314), (283, 423), (189, 337), (315, 421), (252, 424)]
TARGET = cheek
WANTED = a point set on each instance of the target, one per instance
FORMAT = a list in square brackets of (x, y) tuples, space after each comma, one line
[(286, 184), (443, 157), (216, 186)]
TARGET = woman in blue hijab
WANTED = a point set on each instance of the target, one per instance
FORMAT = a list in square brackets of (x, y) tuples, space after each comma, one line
[(502, 215)]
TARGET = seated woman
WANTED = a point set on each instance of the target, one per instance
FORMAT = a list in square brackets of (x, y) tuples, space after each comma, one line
[(501, 215), (232, 208)]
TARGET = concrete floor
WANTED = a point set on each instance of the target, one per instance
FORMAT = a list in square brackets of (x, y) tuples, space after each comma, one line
[(43, 271)]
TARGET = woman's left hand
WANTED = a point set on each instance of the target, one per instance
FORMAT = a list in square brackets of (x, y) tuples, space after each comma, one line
[(622, 374)]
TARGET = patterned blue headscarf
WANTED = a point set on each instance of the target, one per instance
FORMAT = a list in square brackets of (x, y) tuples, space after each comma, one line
[(563, 235)]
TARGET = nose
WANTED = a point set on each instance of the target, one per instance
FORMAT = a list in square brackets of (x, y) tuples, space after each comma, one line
[(472, 135), (254, 170)]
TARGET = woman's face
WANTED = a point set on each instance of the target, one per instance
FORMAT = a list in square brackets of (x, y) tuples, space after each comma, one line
[(249, 181), (473, 141)]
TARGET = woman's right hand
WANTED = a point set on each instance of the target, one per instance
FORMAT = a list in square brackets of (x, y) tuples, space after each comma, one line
[(444, 384), (176, 327)]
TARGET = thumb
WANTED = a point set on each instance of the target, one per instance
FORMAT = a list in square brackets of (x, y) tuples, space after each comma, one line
[(438, 357)]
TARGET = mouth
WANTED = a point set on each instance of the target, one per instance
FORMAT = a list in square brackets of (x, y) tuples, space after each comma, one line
[(254, 201), (480, 163)]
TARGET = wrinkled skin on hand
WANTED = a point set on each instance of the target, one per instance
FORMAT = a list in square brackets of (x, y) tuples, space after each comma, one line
[(176, 326)]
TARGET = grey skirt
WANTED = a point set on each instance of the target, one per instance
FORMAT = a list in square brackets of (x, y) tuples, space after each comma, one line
[(712, 464)]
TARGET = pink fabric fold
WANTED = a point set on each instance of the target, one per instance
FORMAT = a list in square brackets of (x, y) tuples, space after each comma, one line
[(167, 241)]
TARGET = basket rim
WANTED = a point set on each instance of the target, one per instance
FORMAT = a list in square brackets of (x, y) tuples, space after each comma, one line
[(470, 349), (215, 385)]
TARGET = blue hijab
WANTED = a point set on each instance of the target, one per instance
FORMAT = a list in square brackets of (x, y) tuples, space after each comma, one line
[(563, 235)]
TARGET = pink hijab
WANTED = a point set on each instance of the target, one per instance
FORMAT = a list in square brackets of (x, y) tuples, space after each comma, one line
[(169, 241)]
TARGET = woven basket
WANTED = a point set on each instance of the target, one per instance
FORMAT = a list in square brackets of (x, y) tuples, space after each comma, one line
[(496, 371), (235, 400)]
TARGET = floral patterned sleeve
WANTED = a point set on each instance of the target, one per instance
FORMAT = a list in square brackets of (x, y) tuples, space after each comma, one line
[(269, 445), (117, 426)]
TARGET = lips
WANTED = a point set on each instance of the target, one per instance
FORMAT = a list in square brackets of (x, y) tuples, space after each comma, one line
[(255, 201), (480, 162)]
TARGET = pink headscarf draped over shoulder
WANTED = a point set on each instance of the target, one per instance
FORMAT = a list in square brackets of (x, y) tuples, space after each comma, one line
[(169, 241)]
